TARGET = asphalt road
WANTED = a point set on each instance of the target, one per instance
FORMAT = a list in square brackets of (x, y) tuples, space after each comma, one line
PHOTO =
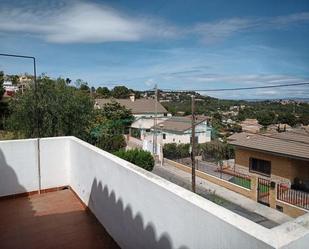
[(185, 182)]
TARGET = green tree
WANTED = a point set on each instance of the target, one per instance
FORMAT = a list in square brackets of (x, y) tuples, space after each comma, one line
[(84, 87), (287, 118), (115, 111), (266, 118), (103, 92), (3, 104), (1, 84), (60, 110), (216, 150), (92, 89), (304, 119), (120, 92), (109, 126), (14, 79)]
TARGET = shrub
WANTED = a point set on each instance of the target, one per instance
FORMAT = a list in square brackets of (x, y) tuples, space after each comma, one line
[(216, 150), (174, 151), (138, 157), (111, 143)]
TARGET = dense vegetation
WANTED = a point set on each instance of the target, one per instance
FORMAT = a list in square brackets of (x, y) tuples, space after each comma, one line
[(56, 108), (176, 151), (60, 109), (108, 126), (266, 112), (138, 157), (214, 150)]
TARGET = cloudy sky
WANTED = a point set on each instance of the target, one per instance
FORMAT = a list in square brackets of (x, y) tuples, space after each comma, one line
[(183, 44)]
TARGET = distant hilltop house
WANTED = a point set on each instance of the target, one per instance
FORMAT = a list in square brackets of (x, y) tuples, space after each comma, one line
[(250, 125), (9, 88), (12, 84), (24, 82)]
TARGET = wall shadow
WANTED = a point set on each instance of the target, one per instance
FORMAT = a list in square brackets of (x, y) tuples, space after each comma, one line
[(50, 220), (58, 220), (130, 231), (8, 176)]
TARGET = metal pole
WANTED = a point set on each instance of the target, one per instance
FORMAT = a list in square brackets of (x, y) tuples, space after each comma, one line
[(36, 103), (193, 142), (37, 123), (35, 82)]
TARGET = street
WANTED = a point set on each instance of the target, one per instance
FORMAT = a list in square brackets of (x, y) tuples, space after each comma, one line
[(185, 182)]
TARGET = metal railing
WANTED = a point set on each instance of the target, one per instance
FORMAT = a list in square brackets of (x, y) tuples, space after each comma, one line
[(240, 179), (295, 197)]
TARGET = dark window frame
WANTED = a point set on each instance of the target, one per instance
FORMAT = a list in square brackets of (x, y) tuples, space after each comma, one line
[(164, 136), (260, 166)]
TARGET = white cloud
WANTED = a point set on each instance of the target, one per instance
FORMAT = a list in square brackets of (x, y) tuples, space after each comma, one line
[(216, 31), (82, 22)]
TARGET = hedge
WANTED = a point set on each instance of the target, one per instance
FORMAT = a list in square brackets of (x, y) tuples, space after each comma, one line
[(138, 157), (176, 151)]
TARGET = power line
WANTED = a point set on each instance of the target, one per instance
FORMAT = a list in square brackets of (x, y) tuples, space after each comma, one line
[(235, 89)]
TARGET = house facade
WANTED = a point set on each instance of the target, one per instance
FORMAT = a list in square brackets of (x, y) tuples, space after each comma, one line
[(143, 110), (178, 130), (281, 157)]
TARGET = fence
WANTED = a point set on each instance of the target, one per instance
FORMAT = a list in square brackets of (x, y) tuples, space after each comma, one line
[(295, 197), (240, 179), (227, 174)]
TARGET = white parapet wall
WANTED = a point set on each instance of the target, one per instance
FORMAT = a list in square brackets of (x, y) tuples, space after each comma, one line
[(142, 210), (137, 208), (18, 166)]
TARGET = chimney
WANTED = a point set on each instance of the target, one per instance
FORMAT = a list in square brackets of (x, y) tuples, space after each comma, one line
[(132, 97)]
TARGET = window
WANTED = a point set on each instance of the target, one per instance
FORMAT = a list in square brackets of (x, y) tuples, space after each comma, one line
[(260, 166), (165, 114), (164, 136)]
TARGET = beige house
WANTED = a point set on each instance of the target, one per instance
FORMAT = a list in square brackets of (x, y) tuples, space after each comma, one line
[(281, 157)]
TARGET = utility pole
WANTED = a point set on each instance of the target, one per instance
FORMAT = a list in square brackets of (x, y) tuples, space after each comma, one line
[(155, 122), (193, 142)]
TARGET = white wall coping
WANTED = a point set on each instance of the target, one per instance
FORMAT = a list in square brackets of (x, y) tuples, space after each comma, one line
[(226, 215)]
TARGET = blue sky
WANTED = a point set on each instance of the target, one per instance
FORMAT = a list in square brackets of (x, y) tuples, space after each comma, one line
[(176, 44)]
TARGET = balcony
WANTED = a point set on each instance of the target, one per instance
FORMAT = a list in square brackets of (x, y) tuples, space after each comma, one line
[(64, 193)]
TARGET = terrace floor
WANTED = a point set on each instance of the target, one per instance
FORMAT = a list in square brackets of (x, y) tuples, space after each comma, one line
[(50, 220)]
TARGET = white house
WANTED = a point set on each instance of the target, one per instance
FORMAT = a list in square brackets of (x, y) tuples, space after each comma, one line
[(143, 110), (178, 130), (9, 88)]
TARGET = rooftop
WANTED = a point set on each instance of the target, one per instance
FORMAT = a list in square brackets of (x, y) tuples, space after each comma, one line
[(138, 106), (289, 144), (50, 220), (180, 124), (114, 200)]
